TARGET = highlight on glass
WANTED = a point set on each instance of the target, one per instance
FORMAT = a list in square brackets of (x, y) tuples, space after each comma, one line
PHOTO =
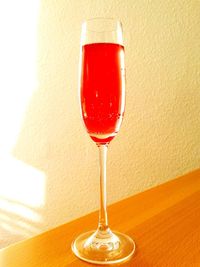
[(102, 100)]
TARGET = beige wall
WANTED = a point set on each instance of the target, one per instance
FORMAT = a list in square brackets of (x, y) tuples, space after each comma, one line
[(48, 164)]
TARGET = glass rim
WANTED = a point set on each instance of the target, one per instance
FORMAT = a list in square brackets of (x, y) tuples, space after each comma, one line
[(117, 21)]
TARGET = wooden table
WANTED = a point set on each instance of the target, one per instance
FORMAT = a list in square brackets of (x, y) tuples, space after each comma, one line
[(163, 221)]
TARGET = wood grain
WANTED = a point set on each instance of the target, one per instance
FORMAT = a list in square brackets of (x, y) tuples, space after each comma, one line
[(164, 222)]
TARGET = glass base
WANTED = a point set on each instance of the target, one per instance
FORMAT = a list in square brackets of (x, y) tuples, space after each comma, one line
[(103, 247)]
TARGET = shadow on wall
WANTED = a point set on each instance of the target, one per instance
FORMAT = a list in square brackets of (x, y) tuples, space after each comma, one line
[(36, 175)]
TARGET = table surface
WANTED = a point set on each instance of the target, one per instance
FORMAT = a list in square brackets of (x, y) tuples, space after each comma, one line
[(164, 222)]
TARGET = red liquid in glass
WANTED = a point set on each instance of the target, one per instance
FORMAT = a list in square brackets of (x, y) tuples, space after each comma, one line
[(102, 90)]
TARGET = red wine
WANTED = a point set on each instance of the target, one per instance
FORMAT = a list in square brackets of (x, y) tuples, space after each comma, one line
[(102, 90)]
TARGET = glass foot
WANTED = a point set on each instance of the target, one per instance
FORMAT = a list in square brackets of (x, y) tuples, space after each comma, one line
[(103, 247)]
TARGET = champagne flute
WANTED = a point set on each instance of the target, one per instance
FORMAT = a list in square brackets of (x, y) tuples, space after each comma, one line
[(102, 99)]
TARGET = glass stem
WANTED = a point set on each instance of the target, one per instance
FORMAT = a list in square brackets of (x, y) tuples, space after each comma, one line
[(103, 218)]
